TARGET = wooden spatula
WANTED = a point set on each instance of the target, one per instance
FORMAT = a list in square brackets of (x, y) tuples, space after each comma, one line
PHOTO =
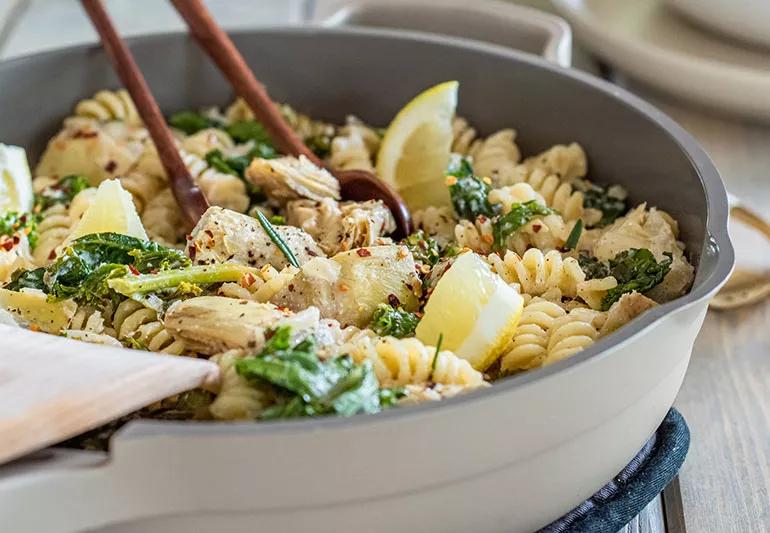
[(54, 388)]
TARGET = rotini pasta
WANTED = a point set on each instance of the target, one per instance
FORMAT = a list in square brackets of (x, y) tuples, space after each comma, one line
[(237, 399), (573, 332), (437, 222), (109, 105), (134, 320), (410, 362), (529, 346), (259, 288), (568, 162), (56, 223), (163, 220)]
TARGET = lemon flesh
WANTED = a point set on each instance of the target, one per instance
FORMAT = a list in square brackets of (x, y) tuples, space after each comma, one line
[(112, 210), (415, 150), (474, 310), (15, 180)]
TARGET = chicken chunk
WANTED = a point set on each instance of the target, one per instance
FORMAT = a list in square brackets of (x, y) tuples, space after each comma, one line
[(349, 286), (338, 227), (215, 324), (223, 236), (290, 178)]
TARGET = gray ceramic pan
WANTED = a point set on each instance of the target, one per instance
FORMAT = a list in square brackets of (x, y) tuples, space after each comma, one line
[(509, 458)]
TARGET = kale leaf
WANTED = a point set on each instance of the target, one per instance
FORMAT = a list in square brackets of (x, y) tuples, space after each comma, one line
[(395, 322), (636, 270), (249, 130), (13, 222), (27, 279), (593, 268), (611, 206), (424, 249), (307, 386), (237, 167), (61, 192), (468, 192), (519, 215)]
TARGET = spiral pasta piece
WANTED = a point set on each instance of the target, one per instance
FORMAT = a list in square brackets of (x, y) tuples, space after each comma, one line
[(207, 140), (540, 274), (350, 152), (259, 288), (410, 362), (223, 190), (55, 225), (496, 152), (529, 346), (509, 195), (163, 220), (143, 187), (237, 399), (110, 105), (477, 235), (437, 222), (134, 320), (572, 333), (568, 162)]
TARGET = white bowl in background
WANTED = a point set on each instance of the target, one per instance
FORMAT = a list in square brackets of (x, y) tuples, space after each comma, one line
[(746, 20)]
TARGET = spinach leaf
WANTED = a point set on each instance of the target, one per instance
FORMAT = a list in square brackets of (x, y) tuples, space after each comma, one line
[(61, 192), (191, 122), (593, 268), (468, 192), (636, 270), (308, 386), (27, 279), (249, 130), (611, 206), (237, 167), (395, 322), (519, 215)]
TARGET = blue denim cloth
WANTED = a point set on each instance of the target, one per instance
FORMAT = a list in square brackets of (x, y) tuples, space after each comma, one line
[(620, 500)]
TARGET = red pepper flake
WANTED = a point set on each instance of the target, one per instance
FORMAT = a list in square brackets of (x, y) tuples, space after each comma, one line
[(16, 239), (34, 327), (81, 134), (393, 300), (110, 166), (247, 279), (7, 244), (133, 270), (192, 250), (52, 255), (536, 227), (363, 252), (209, 233)]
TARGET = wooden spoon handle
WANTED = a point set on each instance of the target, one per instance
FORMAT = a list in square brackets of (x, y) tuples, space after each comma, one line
[(187, 194), (230, 61)]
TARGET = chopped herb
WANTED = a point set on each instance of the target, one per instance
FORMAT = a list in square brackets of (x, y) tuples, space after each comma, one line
[(459, 167), (395, 322), (249, 130), (191, 122), (277, 220), (61, 192), (574, 235), (435, 356), (13, 223), (135, 344), (519, 215), (389, 397), (636, 270), (424, 249), (601, 198), (279, 242), (308, 386)]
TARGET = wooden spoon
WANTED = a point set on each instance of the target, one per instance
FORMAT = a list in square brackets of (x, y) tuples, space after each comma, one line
[(189, 197), (54, 388), (355, 184)]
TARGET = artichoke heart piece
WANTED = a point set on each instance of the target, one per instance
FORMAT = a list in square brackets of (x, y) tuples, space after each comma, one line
[(290, 178), (349, 286), (225, 236), (215, 324), (342, 226)]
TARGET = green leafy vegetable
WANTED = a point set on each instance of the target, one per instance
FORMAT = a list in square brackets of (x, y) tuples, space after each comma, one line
[(185, 279), (61, 192), (389, 397), (279, 242), (636, 270), (191, 122), (27, 279), (424, 249), (395, 322), (308, 386), (237, 167), (277, 220), (12, 223), (519, 215), (321, 145), (601, 198), (593, 268), (248, 130), (468, 192), (574, 235)]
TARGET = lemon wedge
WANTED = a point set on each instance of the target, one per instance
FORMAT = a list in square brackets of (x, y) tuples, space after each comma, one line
[(414, 152), (32, 306), (112, 210), (15, 180), (475, 311)]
